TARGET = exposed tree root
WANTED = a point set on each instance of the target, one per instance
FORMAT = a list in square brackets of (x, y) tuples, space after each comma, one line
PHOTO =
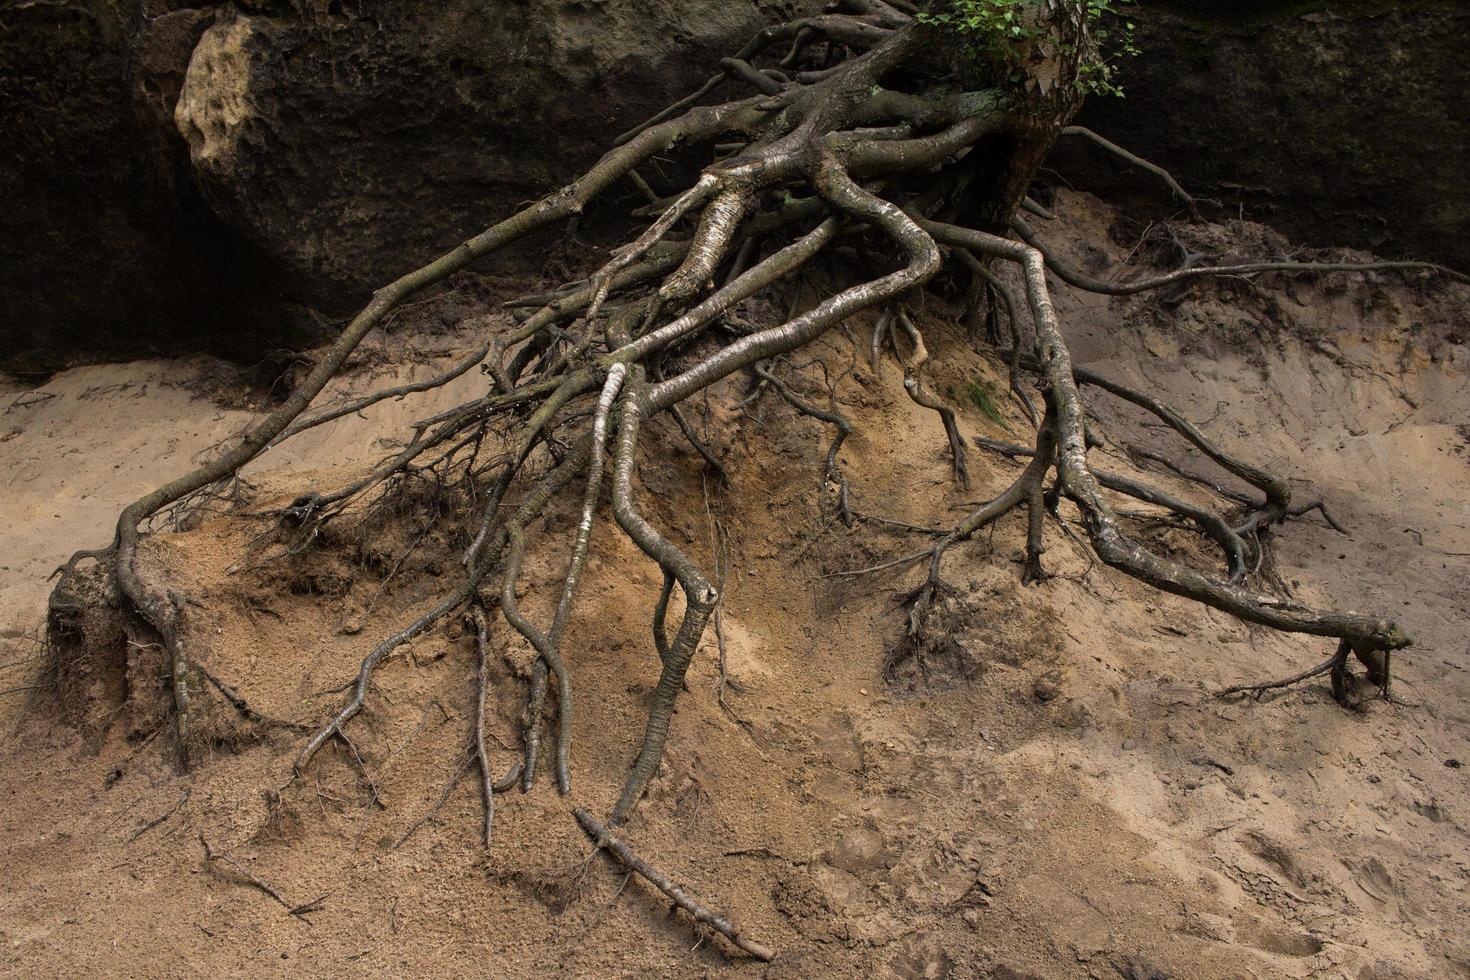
[(1079, 484), (488, 785), (1343, 686), (913, 383), (881, 149), (1093, 285), (1134, 159), (832, 473), (212, 857), (604, 839)]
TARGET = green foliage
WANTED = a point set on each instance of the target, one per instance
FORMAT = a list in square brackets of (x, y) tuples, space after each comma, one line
[(982, 394), (1001, 33)]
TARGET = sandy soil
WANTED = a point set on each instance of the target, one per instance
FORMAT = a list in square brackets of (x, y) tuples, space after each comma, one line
[(1058, 794)]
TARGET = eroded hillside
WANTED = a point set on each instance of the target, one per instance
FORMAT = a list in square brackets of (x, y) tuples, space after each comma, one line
[(1051, 790)]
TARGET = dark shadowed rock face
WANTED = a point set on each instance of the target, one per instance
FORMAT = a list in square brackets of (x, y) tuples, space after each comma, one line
[(351, 147), (196, 178), (214, 176), (1342, 122), (104, 247)]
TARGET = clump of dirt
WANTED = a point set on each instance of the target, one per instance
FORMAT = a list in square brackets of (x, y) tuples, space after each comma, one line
[(956, 639), (1044, 784), (89, 655)]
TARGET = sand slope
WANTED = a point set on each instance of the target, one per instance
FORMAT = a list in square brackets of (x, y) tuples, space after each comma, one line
[(948, 824)]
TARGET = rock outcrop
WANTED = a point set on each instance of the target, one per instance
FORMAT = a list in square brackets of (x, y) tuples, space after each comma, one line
[(105, 247), (202, 178), (221, 176), (1341, 122), (350, 147)]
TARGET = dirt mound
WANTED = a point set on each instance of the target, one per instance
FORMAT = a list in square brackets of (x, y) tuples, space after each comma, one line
[(1043, 784)]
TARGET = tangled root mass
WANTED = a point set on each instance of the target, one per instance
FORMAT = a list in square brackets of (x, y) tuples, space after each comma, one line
[(856, 133)]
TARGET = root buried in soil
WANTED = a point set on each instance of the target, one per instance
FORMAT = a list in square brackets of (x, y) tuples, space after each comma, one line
[(850, 142)]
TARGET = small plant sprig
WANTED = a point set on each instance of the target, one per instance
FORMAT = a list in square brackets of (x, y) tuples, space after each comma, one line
[(1001, 33), (983, 396)]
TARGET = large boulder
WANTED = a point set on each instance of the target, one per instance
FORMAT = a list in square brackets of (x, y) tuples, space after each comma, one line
[(1337, 121), (215, 176), (353, 146)]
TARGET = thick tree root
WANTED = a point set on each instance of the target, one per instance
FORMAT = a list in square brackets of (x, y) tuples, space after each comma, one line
[(699, 598), (1078, 482)]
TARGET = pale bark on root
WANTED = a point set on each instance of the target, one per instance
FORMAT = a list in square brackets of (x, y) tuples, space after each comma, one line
[(699, 596), (1212, 525), (153, 607), (1080, 485)]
